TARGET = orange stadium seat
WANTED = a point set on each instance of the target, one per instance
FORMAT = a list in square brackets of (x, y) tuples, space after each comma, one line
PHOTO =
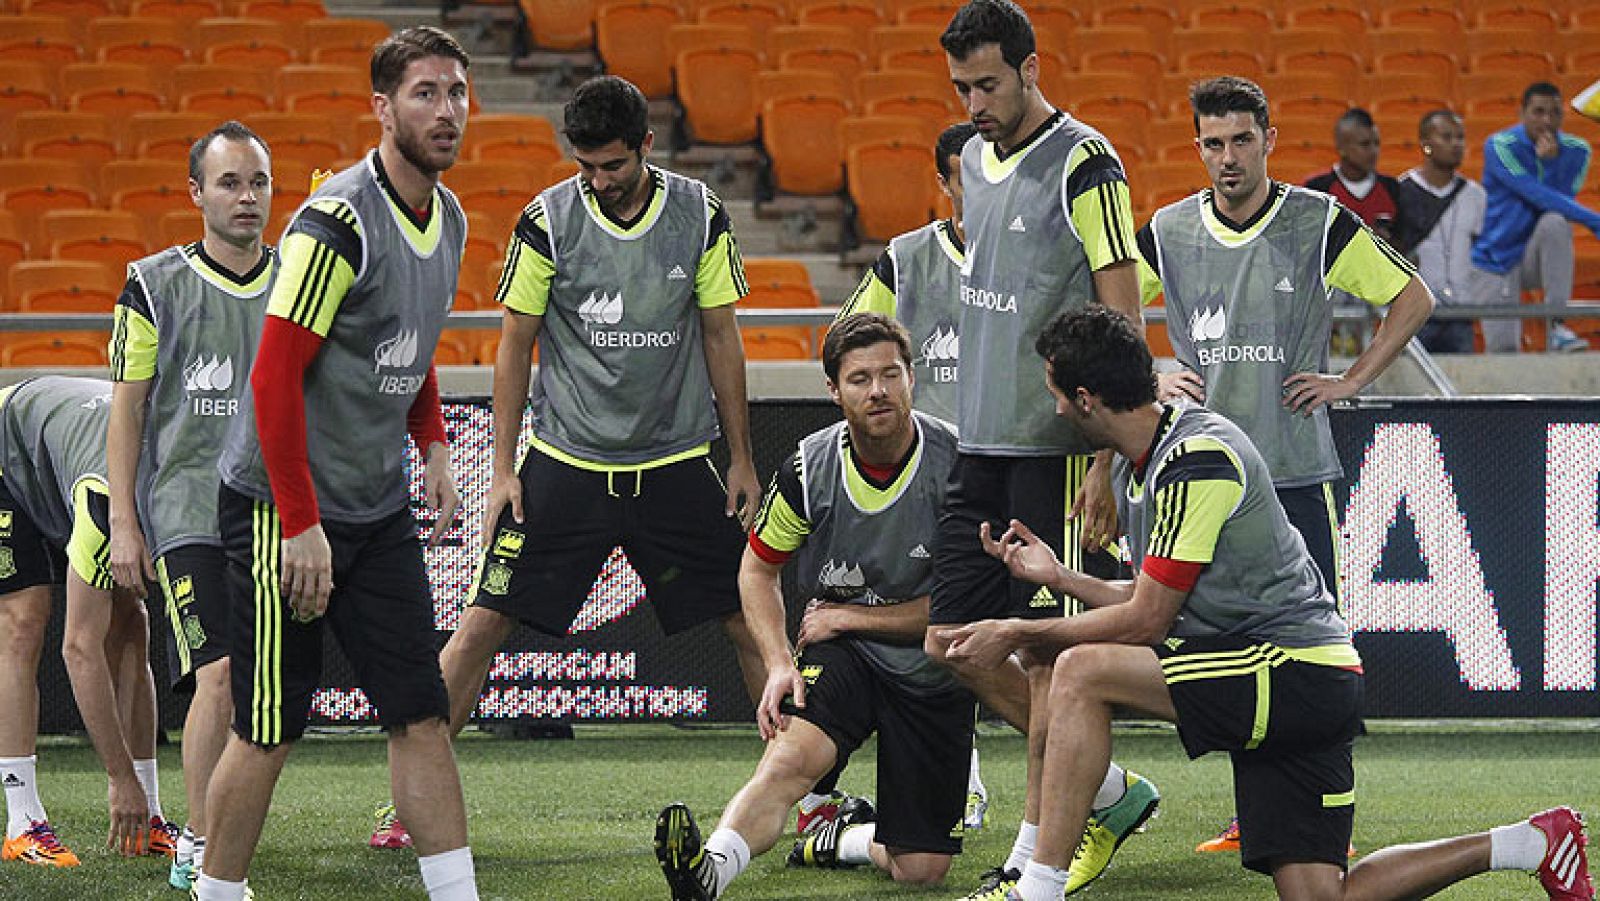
[(928, 12), (930, 59), (1427, 15), (858, 15), (717, 88), (181, 227), (225, 91), (13, 249), (1147, 65), (873, 86), (1339, 16), (1284, 85), (54, 349), (1171, 139), (76, 10), (1254, 19), (760, 16), (30, 187), (165, 135), (892, 185), (344, 91), (312, 138), (341, 41), (452, 350), (790, 82), (283, 10), (1057, 18), (1220, 60), (180, 10), (485, 242), (801, 137), (865, 129), (139, 39), (1291, 40), (65, 286), (147, 188), (847, 62), (499, 190), (1515, 14), (113, 88), (1110, 38), (776, 342), (1489, 87), (1388, 85), (1437, 68), (779, 283), (890, 38), (629, 37), (56, 134), (1406, 106), (510, 127), (263, 43), (24, 85), (1295, 162), (41, 39), (1156, 18), (113, 252), (536, 151), (1345, 63), (1533, 65), (1389, 41), (793, 37), (692, 35), (559, 172)]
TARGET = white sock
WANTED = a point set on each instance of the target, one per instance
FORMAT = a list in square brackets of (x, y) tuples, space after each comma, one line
[(812, 801), (1519, 846), (1042, 883), (186, 846), (20, 777), (146, 771), (974, 781), (730, 854), (855, 843), (199, 852), (1112, 788), (1022, 848), (207, 888), (449, 876)]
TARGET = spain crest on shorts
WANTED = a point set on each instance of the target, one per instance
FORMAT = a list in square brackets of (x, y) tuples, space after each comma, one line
[(8, 561)]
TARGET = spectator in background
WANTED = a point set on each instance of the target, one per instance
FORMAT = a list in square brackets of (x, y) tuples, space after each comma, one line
[(1532, 172), (1441, 212), (1354, 180)]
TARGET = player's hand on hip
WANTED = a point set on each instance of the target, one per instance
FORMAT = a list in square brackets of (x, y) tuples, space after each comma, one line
[(439, 491), (1304, 392), (1024, 554), (504, 489), (307, 576), (1180, 385), (819, 623), (130, 560), (744, 493), (1096, 508), (782, 682), (130, 816)]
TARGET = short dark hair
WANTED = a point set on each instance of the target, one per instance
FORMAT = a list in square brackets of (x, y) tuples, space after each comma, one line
[(1426, 124), (1098, 349), (606, 109), (982, 22), (1540, 89), (950, 142), (231, 130), (1355, 116), (860, 330), (399, 50), (1229, 94)]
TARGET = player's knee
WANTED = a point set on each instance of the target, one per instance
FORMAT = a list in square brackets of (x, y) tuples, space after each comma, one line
[(423, 728), (1075, 673), (919, 869), (1552, 225)]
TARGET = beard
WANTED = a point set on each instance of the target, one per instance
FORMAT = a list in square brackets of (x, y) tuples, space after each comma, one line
[(413, 147)]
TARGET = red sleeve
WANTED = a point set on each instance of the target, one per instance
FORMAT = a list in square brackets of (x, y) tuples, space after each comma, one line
[(277, 385), (767, 553), (1178, 575), (425, 419)]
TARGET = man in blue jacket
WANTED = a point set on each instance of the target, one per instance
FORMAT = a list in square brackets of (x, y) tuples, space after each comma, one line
[(1532, 171)]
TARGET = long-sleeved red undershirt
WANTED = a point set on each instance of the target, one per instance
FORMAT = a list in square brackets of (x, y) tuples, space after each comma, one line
[(278, 387)]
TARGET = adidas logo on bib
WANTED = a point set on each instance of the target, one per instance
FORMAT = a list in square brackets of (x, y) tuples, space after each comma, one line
[(1284, 286), (676, 275), (1017, 226)]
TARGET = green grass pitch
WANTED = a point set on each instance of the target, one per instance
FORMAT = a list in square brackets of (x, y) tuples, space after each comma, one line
[(573, 819)]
